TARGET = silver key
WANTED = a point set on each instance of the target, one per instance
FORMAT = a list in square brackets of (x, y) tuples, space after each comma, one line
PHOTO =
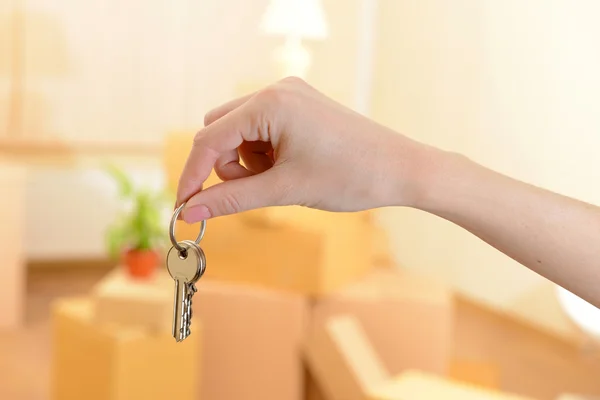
[(185, 268)]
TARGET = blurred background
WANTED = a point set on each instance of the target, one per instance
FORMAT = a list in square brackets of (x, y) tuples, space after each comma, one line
[(99, 102)]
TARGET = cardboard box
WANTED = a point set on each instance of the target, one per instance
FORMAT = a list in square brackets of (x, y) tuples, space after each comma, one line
[(112, 362), (529, 360), (342, 360), (377, 238), (251, 342), (121, 299), (313, 253), (418, 385), (381, 244), (312, 390), (345, 364), (408, 318), (381, 248), (177, 148), (475, 373)]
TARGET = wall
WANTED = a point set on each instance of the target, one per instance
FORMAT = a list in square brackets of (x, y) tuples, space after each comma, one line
[(6, 66), (511, 84), (103, 72), (94, 73)]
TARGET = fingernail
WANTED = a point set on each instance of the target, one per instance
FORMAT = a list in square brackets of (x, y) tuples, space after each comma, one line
[(195, 214)]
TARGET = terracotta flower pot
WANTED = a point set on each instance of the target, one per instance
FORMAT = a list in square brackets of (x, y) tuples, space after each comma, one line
[(141, 263)]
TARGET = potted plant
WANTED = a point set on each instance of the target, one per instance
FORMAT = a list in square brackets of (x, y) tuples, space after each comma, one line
[(138, 234)]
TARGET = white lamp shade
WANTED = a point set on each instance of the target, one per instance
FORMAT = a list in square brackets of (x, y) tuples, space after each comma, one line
[(584, 314), (303, 19)]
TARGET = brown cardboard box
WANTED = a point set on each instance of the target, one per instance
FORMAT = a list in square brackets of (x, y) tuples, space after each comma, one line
[(475, 373), (312, 390), (113, 362), (340, 356), (313, 253), (177, 148), (380, 246), (377, 239), (530, 361), (418, 385), (251, 342), (148, 303), (342, 360), (407, 317)]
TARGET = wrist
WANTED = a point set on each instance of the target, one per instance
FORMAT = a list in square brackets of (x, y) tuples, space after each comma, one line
[(433, 177)]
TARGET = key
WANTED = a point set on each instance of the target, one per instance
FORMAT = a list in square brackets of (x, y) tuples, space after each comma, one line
[(185, 268)]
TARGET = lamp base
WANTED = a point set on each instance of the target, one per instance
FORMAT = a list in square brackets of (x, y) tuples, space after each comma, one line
[(293, 59)]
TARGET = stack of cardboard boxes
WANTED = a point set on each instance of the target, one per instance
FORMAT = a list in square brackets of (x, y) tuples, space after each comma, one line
[(295, 304)]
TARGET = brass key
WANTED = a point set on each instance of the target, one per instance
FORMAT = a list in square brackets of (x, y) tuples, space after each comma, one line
[(186, 263), (185, 267)]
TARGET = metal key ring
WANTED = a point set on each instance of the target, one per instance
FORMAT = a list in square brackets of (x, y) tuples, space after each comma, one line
[(172, 230)]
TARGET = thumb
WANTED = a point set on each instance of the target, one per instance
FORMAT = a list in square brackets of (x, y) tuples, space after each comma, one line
[(235, 196)]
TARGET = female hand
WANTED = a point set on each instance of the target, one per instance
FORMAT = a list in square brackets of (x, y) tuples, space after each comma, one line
[(299, 148)]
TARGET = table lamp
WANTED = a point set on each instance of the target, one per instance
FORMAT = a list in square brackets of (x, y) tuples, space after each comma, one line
[(295, 20)]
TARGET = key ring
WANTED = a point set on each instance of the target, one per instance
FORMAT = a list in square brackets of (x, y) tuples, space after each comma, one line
[(172, 230)]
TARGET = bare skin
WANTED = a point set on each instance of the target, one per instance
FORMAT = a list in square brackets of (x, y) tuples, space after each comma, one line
[(301, 148)]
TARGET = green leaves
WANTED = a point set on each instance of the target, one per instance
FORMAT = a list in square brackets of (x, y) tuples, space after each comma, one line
[(124, 183), (117, 237), (141, 227)]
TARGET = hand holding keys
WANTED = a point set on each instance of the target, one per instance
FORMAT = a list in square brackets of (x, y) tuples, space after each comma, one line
[(186, 264)]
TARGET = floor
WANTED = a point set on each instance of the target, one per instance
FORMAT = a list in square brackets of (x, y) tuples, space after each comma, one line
[(526, 360)]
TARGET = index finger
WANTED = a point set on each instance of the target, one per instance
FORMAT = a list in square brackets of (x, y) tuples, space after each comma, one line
[(224, 109), (228, 132)]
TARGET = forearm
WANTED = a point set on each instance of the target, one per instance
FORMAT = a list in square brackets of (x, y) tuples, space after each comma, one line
[(555, 236)]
